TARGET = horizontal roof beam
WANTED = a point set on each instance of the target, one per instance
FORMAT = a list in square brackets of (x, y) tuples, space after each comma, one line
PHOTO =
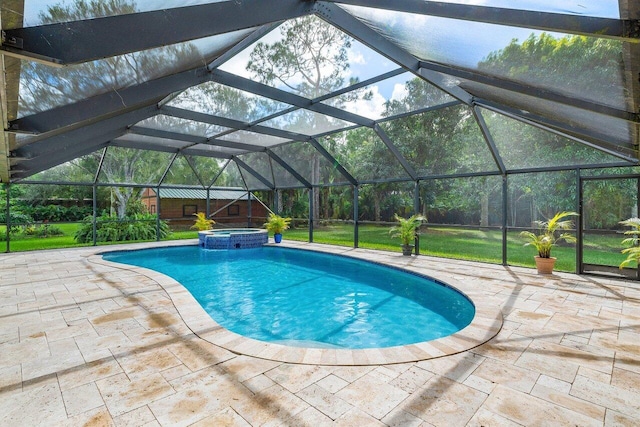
[(86, 40), (27, 168), (205, 153), (125, 142), (230, 123), (68, 140), (597, 140), (622, 29), (266, 91), (97, 107), (175, 136), (165, 134), (525, 89)]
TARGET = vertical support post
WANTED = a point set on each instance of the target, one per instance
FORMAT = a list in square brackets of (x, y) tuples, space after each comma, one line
[(94, 215), (276, 208), (637, 202), (311, 208), (207, 208), (416, 209), (356, 196), (8, 213), (158, 214), (249, 213), (505, 213), (580, 225)]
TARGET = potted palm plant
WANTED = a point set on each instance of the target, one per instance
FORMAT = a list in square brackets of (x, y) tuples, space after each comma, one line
[(407, 229), (202, 223), (548, 235), (633, 251), (276, 224)]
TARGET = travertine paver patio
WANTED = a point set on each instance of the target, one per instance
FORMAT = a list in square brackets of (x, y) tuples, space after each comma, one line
[(84, 342)]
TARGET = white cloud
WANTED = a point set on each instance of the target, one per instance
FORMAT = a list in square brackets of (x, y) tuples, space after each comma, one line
[(370, 108), (399, 92), (356, 57)]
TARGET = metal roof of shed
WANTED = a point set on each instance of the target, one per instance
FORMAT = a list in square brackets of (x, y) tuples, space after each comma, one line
[(177, 193)]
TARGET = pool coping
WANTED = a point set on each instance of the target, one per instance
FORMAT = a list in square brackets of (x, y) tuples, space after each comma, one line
[(486, 323)]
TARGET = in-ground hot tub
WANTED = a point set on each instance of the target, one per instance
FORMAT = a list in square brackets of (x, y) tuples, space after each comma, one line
[(236, 238)]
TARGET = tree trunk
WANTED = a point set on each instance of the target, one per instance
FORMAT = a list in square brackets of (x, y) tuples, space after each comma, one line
[(279, 203), (484, 209), (315, 180), (123, 195), (121, 198), (327, 207), (376, 207), (290, 200)]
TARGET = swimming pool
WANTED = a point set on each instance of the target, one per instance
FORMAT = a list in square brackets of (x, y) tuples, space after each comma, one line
[(309, 299)]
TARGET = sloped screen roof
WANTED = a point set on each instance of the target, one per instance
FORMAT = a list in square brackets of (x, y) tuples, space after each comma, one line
[(267, 94)]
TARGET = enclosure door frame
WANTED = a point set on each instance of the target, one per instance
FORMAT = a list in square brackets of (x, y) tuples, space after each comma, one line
[(595, 269)]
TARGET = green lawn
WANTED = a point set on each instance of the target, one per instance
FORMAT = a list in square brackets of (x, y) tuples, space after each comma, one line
[(475, 245), (447, 242), (21, 242)]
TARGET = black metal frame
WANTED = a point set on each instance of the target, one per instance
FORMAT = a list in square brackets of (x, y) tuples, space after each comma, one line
[(596, 269), (70, 131)]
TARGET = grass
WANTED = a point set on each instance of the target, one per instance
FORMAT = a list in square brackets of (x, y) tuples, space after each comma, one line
[(20, 242), (446, 242), (468, 244)]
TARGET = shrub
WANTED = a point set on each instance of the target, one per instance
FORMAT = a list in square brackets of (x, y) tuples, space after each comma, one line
[(17, 219), (633, 250), (47, 230), (112, 229), (57, 213), (135, 207), (29, 229)]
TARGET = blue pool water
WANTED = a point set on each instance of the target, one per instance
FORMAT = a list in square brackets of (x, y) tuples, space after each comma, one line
[(310, 299)]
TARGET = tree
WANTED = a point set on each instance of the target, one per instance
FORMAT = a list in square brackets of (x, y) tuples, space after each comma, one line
[(568, 64), (45, 88), (131, 166), (80, 170), (16, 215), (441, 142), (310, 60)]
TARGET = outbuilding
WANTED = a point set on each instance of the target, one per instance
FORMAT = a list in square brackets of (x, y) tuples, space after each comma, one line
[(230, 207)]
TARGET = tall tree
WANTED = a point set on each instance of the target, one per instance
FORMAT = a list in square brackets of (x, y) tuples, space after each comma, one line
[(310, 59), (441, 142), (54, 87), (569, 64)]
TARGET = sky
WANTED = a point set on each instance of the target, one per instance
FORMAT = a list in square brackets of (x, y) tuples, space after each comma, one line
[(599, 8), (459, 43)]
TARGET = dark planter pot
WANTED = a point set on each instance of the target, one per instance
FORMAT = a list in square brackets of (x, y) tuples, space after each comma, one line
[(277, 237), (407, 250)]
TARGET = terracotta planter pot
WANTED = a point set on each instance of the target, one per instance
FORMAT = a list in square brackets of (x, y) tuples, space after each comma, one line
[(545, 265)]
